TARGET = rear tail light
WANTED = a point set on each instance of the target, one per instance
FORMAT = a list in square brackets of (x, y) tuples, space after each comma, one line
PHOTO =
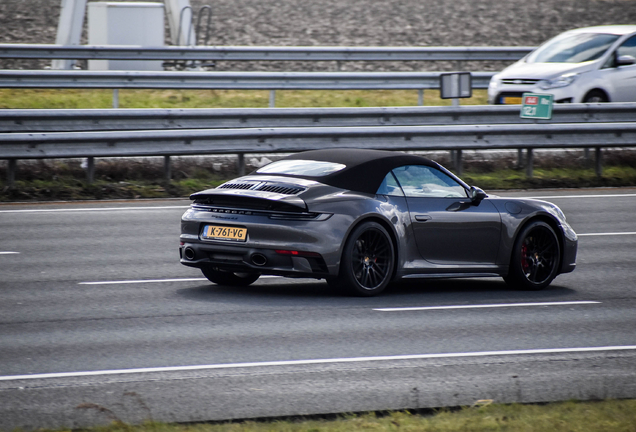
[(297, 253)]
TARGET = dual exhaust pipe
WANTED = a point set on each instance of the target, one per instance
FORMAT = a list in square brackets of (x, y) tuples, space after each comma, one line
[(257, 259)]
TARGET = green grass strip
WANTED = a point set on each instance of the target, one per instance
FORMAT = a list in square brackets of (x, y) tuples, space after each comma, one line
[(86, 99), (604, 416)]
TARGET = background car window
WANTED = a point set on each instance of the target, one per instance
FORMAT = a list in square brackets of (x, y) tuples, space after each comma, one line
[(574, 48), (390, 186), (627, 48), (425, 181)]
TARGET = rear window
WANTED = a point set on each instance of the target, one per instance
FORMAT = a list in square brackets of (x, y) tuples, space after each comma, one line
[(309, 168)]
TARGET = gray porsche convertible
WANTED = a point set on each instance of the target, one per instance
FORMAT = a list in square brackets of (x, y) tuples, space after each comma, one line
[(361, 219)]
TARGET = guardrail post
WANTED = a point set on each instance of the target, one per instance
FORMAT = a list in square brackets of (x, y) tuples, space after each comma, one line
[(420, 97), (12, 165), (520, 158), (90, 169), (599, 161), (115, 98), (241, 164), (529, 163), (459, 165), (167, 169), (272, 98)]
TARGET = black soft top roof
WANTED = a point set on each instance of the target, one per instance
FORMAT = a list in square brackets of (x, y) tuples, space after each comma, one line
[(365, 169)]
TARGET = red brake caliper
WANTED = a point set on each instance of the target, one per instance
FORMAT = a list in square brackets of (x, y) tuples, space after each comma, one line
[(525, 265)]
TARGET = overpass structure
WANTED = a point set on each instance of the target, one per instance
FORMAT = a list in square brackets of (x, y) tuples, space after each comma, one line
[(72, 16)]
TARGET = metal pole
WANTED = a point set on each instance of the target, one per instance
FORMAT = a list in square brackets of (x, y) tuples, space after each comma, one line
[(420, 97), (167, 168), (241, 164), (529, 163), (459, 166), (599, 161), (11, 169), (90, 170), (520, 158), (272, 98), (115, 98)]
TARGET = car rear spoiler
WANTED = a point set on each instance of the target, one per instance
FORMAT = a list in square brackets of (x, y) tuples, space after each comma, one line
[(249, 200)]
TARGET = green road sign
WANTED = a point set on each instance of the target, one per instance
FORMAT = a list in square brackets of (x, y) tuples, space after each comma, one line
[(536, 106)]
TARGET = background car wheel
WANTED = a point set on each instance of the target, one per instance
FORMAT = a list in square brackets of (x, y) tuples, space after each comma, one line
[(367, 261), (535, 257), (595, 96), (220, 277)]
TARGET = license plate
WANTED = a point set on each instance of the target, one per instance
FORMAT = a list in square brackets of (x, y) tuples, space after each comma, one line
[(224, 233), (509, 100)]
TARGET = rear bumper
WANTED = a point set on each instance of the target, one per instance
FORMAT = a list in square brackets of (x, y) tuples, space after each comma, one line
[(252, 260), (498, 96)]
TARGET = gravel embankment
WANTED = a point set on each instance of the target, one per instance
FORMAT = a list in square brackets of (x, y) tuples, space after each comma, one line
[(353, 22)]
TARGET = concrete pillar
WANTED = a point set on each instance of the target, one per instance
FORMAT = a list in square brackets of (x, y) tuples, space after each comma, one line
[(69, 29)]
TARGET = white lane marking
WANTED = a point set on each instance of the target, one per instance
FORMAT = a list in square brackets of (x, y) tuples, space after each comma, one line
[(580, 196), (498, 305), (606, 234), (95, 209), (315, 361), (9, 253), (142, 281)]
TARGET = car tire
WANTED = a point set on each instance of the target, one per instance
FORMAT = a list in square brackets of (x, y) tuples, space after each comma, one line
[(535, 257), (221, 277), (367, 261), (595, 96)]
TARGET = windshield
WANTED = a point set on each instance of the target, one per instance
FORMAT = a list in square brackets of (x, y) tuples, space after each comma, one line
[(573, 48), (301, 167)]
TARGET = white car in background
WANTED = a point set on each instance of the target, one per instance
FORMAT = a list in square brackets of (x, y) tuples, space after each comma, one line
[(592, 64)]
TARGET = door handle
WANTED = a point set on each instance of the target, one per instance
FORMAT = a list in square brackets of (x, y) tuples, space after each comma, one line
[(423, 218)]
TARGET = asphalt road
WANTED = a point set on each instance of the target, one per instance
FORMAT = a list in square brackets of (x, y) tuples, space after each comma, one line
[(98, 320)]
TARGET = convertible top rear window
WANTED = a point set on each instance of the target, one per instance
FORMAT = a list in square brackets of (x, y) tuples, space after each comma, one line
[(309, 168), (358, 170)]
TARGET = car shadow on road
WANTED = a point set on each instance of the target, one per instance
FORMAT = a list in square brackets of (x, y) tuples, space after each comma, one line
[(477, 289), (421, 291)]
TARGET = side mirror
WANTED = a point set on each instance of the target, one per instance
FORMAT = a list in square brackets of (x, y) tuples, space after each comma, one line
[(476, 195), (625, 60)]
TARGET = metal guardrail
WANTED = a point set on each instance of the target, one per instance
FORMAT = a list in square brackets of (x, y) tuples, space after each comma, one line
[(76, 120), (167, 143), (277, 140), (229, 80), (262, 53)]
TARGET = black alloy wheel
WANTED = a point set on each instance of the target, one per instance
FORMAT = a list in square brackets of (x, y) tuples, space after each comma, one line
[(221, 277), (367, 261), (535, 257)]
